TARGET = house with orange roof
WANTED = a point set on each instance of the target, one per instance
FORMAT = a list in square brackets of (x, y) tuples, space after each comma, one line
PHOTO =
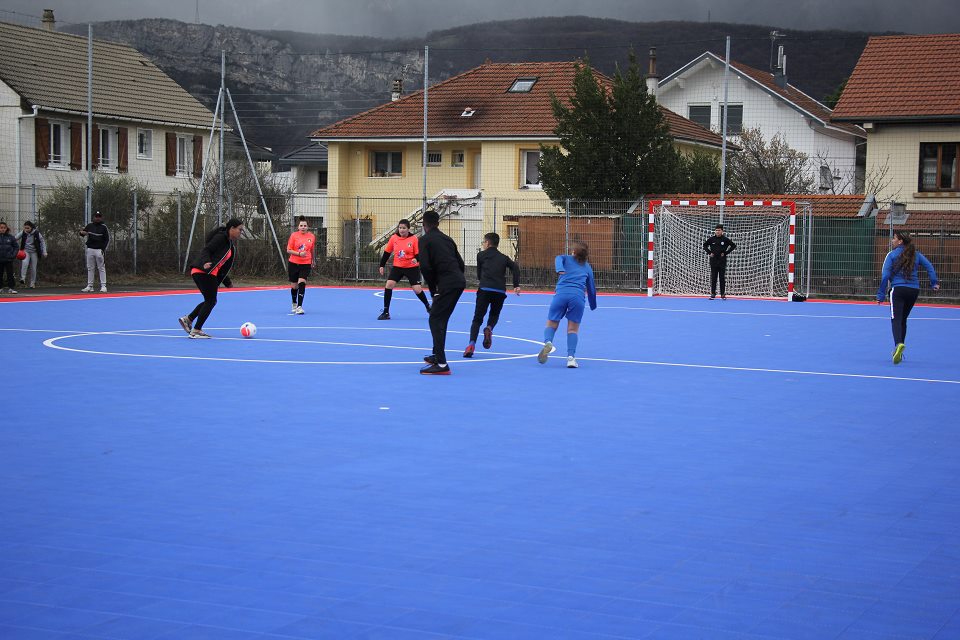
[(484, 130), (766, 101), (905, 93)]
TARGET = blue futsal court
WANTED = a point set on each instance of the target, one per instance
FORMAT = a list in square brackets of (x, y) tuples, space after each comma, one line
[(714, 469)]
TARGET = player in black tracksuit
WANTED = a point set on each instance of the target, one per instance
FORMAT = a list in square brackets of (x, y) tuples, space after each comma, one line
[(442, 270), (492, 291), (718, 247), (209, 271)]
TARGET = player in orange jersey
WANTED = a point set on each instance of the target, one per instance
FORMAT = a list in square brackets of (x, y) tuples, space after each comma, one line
[(300, 249), (405, 247)]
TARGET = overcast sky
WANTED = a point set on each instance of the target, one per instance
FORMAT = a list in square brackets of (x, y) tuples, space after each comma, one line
[(388, 18)]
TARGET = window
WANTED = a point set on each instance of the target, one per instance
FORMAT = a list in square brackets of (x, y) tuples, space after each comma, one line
[(385, 164), (699, 113), (734, 120), (522, 85), (108, 148), (145, 144), (938, 166), (456, 158), (529, 169), (322, 180), (434, 158), (59, 145), (184, 156)]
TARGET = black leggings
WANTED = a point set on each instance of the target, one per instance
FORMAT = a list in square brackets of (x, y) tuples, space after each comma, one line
[(208, 287), (444, 304), (718, 270), (6, 269), (492, 299), (902, 300)]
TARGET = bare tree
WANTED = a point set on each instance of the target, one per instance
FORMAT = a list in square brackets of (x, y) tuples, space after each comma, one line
[(774, 168)]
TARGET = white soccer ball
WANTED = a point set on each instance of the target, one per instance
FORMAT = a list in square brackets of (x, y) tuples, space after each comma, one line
[(248, 329)]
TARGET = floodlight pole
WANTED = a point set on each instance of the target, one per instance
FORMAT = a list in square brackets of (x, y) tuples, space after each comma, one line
[(426, 67), (223, 110), (723, 143), (88, 200)]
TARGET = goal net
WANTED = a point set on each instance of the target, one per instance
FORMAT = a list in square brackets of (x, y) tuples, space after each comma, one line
[(761, 266)]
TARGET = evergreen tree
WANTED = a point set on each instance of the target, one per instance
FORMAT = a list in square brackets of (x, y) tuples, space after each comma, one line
[(614, 141)]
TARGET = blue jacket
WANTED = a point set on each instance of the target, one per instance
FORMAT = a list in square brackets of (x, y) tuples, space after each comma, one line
[(898, 279), (8, 247), (576, 278)]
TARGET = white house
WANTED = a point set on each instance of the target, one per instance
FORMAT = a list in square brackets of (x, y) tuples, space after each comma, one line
[(145, 125), (766, 101)]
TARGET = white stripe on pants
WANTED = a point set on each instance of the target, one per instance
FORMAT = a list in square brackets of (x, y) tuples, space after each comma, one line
[(95, 262), (29, 264)]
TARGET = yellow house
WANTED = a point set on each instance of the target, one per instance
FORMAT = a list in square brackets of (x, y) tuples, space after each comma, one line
[(905, 92), (484, 131)]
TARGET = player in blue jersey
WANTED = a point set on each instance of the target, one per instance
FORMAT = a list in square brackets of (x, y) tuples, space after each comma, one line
[(900, 272), (576, 276)]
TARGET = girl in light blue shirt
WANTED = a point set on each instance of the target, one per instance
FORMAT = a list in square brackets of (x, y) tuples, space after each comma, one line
[(576, 277)]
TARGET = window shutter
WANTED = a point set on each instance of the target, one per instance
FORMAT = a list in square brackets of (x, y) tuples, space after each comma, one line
[(122, 150), (41, 127), (95, 162), (197, 156), (171, 152), (76, 146)]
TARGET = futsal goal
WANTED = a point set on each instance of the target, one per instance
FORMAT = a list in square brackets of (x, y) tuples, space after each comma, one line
[(762, 266)]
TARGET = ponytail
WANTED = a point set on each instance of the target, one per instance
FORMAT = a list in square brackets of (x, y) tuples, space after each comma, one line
[(908, 259), (581, 252)]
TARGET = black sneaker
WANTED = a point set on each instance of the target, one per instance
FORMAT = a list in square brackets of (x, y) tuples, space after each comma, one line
[(431, 359), (435, 370), (384, 315), (487, 337)]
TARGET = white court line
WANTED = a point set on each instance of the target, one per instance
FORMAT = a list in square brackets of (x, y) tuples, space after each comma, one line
[(765, 370)]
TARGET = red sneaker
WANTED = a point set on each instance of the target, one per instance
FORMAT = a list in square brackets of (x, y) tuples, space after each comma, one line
[(487, 337), (468, 352)]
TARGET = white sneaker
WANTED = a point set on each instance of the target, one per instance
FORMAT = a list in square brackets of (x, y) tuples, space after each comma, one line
[(545, 352), (87, 289), (298, 311), (103, 289), (572, 362), (11, 290), (293, 307)]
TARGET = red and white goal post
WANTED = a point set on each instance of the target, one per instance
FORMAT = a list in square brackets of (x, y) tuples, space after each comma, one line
[(762, 266)]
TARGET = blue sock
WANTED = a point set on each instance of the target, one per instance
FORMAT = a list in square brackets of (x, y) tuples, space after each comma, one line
[(572, 339), (548, 334), (473, 343)]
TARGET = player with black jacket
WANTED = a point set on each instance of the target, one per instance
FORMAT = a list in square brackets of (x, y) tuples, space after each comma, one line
[(718, 247), (492, 291), (442, 270), (209, 271)]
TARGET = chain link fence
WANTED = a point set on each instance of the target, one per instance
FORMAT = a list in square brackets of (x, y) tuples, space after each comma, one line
[(836, 255)]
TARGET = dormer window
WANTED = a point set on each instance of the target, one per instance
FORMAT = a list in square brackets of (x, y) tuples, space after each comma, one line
[(468, 112), (522, 85)]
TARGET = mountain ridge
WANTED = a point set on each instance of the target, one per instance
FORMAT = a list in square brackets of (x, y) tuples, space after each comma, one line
[(286, 84)]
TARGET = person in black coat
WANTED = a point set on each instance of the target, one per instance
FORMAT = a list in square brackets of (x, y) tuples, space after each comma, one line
[(442, 269), (718, 247), (209, 271), (9, 247), (492, 291)]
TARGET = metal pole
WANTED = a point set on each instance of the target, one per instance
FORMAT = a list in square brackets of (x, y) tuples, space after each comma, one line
[(566, 228), (809, 250), (223, 112), (494, 215), (33, 202), (723, 143), (356, 241), (134, 232), (179, 225), (426, 67), (89, 203), (203, 181)]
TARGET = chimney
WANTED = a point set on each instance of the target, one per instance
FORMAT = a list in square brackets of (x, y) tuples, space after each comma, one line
[(48, 20), (780, 70), (652, 77), (397, 90)]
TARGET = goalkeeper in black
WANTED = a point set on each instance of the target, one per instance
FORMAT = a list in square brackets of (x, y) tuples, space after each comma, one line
[(718, 247)]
